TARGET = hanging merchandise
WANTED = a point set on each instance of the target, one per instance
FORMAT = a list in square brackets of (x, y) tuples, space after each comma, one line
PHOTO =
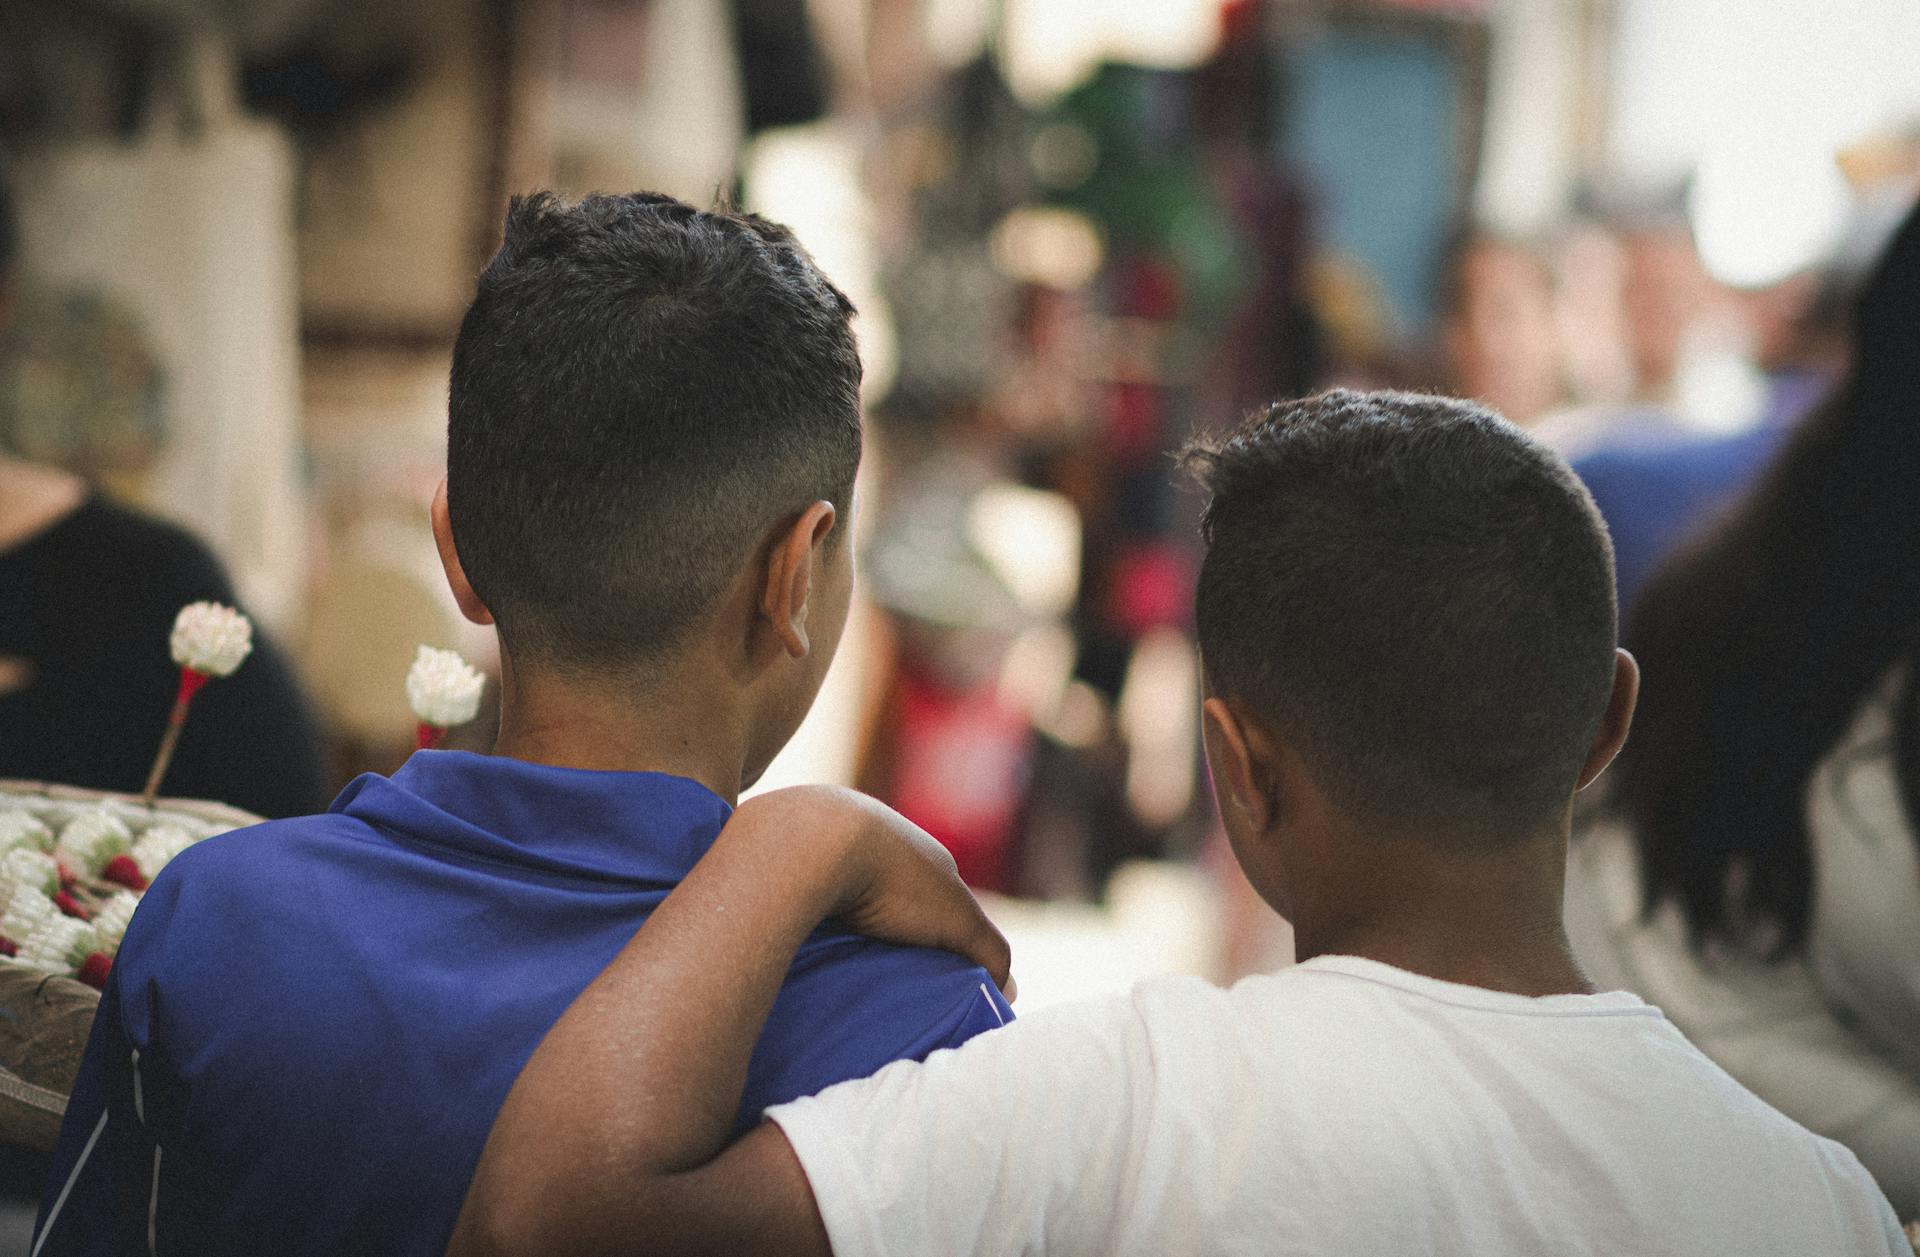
[(954, 310), (781, 67)]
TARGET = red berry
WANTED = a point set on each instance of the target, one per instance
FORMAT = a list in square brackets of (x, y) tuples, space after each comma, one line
[(8, 947), (69, 905), (94, 970)]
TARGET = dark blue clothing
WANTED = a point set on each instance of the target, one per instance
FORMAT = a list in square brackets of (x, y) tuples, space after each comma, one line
[(313, 1022), (1655, 495), (1655, 486)]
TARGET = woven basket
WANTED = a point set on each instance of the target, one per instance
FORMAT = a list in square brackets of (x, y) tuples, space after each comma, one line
[(44, 1018)]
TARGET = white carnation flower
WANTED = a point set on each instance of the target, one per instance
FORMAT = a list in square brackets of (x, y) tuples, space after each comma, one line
[(110, 919), (91, 839), (23, 909), (25, 830), (211, 639), (60, 944), (443, 689), (157, 845), (33, 869)]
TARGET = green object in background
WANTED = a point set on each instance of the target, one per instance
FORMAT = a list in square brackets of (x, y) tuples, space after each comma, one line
[(1147, 187)]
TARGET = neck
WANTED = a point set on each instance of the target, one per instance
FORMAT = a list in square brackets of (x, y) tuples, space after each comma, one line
[(678, 721), (34, 498), (1489, 919)]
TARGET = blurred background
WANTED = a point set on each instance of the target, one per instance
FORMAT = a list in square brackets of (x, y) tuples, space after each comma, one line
[(1077, 232)]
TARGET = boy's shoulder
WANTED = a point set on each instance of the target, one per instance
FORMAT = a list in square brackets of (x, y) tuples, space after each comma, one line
[(231, 886), (275, 849), (850, 1006)]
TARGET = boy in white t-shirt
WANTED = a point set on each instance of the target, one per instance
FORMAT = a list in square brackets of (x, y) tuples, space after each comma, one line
[(1407, 621)]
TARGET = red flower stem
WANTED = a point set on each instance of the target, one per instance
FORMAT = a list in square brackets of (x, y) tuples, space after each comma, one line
[(190, 683)]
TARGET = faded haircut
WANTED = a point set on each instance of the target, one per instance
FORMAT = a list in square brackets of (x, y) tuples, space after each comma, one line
[(1419, 597), (640, 391)]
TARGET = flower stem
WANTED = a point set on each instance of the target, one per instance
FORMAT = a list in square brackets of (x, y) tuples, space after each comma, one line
[(190, 683)]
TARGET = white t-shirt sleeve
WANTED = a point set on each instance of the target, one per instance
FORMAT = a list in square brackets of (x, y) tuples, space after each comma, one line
[(1018, 1141)]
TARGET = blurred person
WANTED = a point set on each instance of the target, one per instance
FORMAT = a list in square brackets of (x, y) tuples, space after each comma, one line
[(88, 594), (653, 431), (1590, 317), (1406, 618), (1756, 870), (947, 749), (1656, 485), (1657, 477), (1497, 326), (1666, 293), (1684, 342)]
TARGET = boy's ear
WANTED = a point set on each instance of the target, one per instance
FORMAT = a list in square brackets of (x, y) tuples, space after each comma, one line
[(789, 580), (1612, 734), (1232, 750), (463, 593)]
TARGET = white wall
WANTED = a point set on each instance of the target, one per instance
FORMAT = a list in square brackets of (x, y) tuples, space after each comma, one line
[(1694, 75), (1534, 79)]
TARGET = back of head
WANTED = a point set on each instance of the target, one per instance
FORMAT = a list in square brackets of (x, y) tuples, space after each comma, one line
[(1419, 598), (640, 390)]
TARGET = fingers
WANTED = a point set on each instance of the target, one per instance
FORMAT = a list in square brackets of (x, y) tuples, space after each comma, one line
[(987, 947), (974, 934), (897, 882)]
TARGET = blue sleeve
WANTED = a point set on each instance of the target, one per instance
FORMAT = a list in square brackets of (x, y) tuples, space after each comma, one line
[(105, 1164), (851, 1006), (981, 1010)]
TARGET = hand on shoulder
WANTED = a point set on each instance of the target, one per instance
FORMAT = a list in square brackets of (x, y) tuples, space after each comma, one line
[(885, 876)]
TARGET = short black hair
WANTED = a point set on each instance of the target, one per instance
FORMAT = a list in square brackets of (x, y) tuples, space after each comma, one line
[(640, 390), (1419, 597)]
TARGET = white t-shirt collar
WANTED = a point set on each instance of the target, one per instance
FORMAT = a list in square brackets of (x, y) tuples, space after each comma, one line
[(1460, 995)]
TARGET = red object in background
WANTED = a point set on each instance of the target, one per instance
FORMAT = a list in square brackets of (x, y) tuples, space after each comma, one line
[(94, 970), (71, 906), (1151, 586), (1240, 21), (1133, 423), (122, 871), (1149, 289), (960, 773)]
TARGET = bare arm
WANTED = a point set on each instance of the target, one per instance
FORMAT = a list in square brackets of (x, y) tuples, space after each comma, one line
[(613, 1138)]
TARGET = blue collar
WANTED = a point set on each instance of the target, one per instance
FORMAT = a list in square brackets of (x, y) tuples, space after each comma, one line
[(624, 826)]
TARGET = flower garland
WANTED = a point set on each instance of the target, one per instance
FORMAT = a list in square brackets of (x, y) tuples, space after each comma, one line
[(65, 903)]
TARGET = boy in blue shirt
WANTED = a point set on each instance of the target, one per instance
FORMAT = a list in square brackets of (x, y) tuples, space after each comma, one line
[(653, 430)]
